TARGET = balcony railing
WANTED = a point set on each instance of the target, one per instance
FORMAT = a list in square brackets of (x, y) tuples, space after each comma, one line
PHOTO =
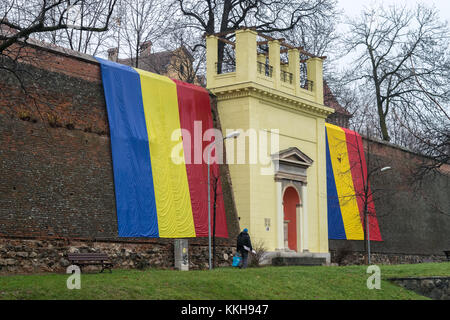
[(286, 76), (225, 67), (308, 85), (265, 69)]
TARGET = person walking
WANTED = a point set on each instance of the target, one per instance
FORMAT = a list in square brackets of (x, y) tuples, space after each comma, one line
[(244, 246)]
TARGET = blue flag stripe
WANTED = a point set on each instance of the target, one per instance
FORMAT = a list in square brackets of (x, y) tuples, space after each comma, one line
[(133, 178), (336, 228)]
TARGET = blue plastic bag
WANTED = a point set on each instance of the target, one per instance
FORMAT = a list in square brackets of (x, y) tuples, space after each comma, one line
[(237, 260)]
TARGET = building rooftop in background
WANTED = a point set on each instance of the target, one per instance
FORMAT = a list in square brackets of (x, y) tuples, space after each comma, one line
[(341, 116), (175, 64)]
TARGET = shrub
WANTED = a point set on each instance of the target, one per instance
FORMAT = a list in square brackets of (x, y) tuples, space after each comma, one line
[(255, 259)]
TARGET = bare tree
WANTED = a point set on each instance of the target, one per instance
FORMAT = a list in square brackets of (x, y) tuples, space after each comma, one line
[(272, 16), (187, 63), (402, 68), (87, 41), (142, 24), (318, 35), (21, 19), (368, 195), (215, 188), (364, 168), (22, 23)]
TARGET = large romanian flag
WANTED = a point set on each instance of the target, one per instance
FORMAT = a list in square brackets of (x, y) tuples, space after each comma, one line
[(155, 125), (346, 177)]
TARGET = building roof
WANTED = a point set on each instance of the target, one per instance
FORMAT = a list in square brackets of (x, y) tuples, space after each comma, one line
[(157, 62), (331, 101)]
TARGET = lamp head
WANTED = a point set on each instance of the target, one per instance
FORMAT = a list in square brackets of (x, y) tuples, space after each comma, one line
[(234, 134)]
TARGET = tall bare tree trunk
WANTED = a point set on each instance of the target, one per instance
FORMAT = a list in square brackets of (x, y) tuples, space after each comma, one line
[(382, 122)]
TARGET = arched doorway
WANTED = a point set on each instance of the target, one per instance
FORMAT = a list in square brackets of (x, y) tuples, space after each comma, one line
[(291, 201)]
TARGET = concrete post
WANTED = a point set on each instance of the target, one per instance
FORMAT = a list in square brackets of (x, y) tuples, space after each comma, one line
[(315, 74), (274, 61), (181, 247), (246, 55), (211, 60), (294, 68)]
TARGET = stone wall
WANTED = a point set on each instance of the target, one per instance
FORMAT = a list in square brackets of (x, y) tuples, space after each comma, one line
[(57, 179), (358, 258), (50, 255), (55, 153), (413, 214), (56, 171), (436, 288)]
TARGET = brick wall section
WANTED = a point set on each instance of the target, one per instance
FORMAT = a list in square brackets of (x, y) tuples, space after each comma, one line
[(55, 157), (414, 218), (57, 180), (62, 91), (55, 162), (57, 59)]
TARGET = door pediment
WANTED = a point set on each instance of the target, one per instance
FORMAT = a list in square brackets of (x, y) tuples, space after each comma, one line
[(291, 164)]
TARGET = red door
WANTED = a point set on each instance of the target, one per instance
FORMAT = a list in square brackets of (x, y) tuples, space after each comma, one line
[(290, 202)]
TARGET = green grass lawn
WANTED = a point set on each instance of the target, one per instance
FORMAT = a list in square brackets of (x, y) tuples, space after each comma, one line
[(268, 283)]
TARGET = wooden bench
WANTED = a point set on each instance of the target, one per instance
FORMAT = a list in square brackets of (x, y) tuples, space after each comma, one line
[(447, 254), (85, 259)]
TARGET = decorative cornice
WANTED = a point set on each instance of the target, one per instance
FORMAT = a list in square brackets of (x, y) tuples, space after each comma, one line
[(273, 97)]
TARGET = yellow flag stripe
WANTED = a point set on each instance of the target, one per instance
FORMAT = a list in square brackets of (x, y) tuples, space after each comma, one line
[(344, 183), (173, 201)]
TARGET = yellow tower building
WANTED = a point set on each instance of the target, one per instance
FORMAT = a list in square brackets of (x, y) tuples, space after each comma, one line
[(278, 163)]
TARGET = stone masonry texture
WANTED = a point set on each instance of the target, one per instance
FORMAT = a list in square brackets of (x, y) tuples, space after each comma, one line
[(413, 214), (436, 288), (50, 255), (57, 188), (56, 169)]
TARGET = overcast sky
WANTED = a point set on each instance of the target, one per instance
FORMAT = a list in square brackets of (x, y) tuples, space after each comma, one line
[(354, 7)]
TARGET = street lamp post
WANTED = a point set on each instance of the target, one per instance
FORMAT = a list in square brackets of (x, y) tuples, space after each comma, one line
[(368, 216), (234, 134)]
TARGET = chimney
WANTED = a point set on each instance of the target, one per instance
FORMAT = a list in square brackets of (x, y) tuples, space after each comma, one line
[(146, 48), (113, 54)]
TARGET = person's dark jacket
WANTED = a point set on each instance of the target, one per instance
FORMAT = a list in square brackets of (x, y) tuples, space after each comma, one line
[(243, 239)]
